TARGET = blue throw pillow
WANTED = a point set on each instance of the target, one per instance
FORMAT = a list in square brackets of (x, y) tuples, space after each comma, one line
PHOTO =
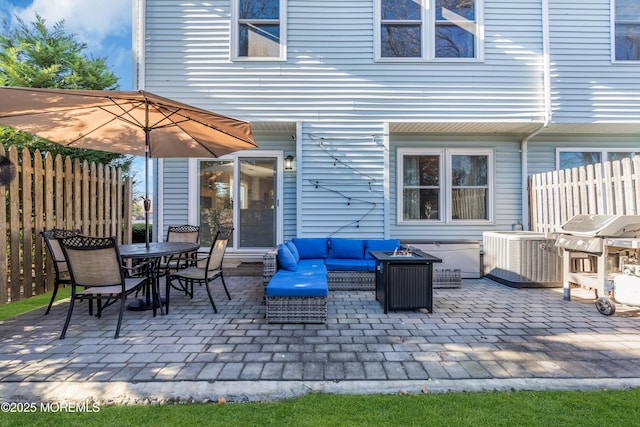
[(311, 247), (294, 251), (380, 245), (286, 259), (346, 248)]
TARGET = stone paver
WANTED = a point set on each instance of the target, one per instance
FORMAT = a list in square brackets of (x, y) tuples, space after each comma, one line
[(482, 331)]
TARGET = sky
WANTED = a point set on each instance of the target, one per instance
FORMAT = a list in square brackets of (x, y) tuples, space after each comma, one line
[(105, 26)]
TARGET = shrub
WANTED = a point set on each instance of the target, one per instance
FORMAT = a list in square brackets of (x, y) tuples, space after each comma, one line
[(137, 233)]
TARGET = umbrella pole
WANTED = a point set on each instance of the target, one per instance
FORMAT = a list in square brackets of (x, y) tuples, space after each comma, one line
[(147, 202)]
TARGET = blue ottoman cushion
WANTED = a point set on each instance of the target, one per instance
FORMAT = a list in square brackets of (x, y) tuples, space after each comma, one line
[(298, 285)]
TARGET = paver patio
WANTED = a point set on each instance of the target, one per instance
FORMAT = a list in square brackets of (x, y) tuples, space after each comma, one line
[(484, 332)]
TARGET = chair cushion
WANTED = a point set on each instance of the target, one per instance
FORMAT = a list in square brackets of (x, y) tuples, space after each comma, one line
[(297, 285), (286, 258), (346, 248), (380, 245), (294, 250), (350, 264), (315, 266), (311, 248)]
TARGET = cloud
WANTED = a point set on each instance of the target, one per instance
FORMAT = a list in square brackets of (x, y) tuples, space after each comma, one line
[(91, 21)]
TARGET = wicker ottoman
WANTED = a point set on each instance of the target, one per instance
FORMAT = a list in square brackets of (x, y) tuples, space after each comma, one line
[(297, 298)]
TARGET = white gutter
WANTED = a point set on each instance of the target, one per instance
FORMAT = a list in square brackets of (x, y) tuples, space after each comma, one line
[(546, 88), (139, 7)]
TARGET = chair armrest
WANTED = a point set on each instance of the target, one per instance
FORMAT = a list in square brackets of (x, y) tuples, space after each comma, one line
[(138, 270)]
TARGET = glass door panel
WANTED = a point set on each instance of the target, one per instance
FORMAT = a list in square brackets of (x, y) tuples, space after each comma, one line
[(257, 202), (216, 198)]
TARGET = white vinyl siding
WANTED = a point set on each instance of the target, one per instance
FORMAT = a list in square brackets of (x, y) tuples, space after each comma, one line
[(507, 185), (587, 87), (333, 85)]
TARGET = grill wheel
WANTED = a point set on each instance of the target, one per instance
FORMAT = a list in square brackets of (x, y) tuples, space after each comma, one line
[(605, 306)]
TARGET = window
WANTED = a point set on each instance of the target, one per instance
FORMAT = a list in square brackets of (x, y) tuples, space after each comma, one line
[(258, 29), (571, 158), (432, 29), (444, 186), (401, 29), (627, 30), (455, 29)]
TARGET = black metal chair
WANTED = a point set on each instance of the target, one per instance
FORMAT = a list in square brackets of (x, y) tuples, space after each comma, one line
[(56, 255), (95, 265), (206, 269), (180, 233)]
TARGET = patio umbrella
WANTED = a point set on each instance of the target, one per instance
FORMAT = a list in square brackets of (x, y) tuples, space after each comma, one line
[(137, 123)]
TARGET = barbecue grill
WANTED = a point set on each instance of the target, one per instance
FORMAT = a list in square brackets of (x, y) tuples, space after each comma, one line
[(596, 249)]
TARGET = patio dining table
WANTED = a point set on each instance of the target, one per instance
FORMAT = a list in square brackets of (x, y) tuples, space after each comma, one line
[(153, 253)]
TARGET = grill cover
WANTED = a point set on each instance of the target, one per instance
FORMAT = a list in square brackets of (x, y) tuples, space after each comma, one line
[(602, 226)]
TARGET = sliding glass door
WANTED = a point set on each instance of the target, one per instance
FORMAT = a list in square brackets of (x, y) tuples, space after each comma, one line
[(241, 192)]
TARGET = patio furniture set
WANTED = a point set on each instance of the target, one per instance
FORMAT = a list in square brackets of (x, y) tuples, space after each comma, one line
[(299, 274), (96, 269)]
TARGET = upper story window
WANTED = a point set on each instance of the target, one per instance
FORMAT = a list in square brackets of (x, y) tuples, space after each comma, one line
[(400, 29), (627, 30), (428, 29), (258, 29)]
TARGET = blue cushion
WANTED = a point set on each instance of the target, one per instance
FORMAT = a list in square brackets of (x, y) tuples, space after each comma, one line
[(315, 266), (380, 245), (335, 264), (297, 285), (294, 250), (286, 259), (346, 248), (311, 248)]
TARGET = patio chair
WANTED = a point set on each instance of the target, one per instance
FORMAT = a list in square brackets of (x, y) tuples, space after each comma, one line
[(95, 264), (180, 233), (62, 276), (206, 269)]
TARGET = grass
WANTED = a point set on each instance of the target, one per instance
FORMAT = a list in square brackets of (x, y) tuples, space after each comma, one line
[(547, 408), (39, 301), (541, 408)]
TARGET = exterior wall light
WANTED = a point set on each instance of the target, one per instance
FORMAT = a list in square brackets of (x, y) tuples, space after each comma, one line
[(288, 163)]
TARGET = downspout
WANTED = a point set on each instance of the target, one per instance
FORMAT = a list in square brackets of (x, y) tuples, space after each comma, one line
[(546, 88)]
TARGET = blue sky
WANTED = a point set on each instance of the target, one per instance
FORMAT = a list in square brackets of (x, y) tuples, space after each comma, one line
[(105, 26)]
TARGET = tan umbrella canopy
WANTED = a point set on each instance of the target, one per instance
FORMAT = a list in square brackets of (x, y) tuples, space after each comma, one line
[(137, 123)]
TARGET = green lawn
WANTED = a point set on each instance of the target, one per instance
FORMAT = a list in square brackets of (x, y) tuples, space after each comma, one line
[(547, 408), (593, 408), (28, 304)]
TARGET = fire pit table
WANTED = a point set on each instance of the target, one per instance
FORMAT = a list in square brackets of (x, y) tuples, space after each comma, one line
[(404, 280)]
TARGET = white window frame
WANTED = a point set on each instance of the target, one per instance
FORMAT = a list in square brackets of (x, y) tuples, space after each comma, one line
[(604, 154), (613, 37), (445, 195), (428, 28), (235, 35)]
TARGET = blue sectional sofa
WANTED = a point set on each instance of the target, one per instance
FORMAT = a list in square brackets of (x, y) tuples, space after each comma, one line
[(299, 274)]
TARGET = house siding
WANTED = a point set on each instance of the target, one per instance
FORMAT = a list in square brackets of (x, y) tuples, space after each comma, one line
[(506, 188), (587, 86), (344, 101)]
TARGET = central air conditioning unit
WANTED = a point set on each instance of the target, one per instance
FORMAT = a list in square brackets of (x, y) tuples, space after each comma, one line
[(522, 259)]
